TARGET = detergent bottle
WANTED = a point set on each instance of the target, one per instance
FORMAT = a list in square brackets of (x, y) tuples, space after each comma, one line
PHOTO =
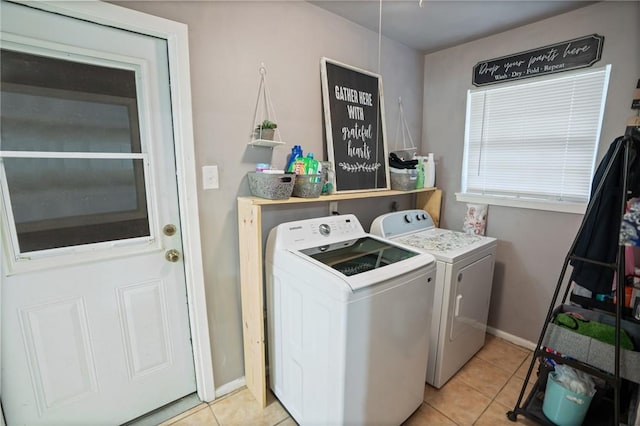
[(313, 167), (420, 177), (311, 164), (299, 166), (429, 171), (296, 153)]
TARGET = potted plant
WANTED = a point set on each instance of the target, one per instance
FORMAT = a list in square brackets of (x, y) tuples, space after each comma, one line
[(265, 130)]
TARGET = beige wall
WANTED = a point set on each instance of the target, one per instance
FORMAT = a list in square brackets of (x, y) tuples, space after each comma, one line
[(228, 41), (532, 244)]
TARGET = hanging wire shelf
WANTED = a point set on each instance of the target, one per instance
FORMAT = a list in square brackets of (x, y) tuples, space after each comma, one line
[(264, 112), (408, 148), (270, 143)]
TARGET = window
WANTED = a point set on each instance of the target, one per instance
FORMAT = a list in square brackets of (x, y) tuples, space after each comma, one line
[(71, 161), (534, 144)]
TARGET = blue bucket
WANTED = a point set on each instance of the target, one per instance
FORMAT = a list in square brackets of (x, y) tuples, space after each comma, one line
[(562, 406)]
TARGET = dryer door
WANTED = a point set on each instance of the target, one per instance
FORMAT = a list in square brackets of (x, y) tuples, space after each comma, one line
[(470, 304)]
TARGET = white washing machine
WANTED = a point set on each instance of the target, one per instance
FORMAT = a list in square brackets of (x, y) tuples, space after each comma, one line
[(463, 287), (348, 317)]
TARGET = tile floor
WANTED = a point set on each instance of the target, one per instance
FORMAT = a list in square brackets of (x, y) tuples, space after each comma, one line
[(479, 394)]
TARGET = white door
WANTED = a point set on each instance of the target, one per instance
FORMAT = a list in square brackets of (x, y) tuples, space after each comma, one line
[(95, 326)]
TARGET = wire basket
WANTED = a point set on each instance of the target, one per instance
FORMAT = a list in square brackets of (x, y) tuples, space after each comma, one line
[(308, 186), (271, 186)]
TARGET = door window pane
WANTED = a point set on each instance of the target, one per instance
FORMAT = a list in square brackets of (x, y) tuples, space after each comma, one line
[(52, 107), (61, 202), (54, 122), (51, 104)]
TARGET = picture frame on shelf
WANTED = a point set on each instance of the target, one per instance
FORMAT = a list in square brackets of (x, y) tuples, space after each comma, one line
[(355, 129)]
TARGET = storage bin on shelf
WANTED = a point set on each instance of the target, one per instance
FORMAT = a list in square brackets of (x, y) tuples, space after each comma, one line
[(592, 351), (403, 179), (308, 185), (271, 186)]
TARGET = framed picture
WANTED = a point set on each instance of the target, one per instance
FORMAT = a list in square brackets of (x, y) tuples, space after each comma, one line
[(355, 128)]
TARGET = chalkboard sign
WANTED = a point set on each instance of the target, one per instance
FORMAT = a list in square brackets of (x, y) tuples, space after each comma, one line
[(577, 53), (355, 129)]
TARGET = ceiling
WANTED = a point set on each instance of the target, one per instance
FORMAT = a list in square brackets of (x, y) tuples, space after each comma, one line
[(440, 24)]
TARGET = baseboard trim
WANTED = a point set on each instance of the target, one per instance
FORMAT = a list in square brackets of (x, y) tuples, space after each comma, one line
[(230, 387), (511, 338)]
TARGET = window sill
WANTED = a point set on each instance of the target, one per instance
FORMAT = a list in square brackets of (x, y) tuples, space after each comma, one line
[(577, 208)]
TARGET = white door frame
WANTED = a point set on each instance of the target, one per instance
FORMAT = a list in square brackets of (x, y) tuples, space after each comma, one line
[(176, 35)]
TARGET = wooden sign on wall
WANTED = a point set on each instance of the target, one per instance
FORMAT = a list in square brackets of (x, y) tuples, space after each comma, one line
[(573, 54), (355, 129)]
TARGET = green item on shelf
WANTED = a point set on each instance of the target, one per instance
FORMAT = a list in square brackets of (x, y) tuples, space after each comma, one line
[(603, 332)]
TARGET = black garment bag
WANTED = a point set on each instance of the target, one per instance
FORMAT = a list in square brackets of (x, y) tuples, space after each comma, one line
[(599, 237)]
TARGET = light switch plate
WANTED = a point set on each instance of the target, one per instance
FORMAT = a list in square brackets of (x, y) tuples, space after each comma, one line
[(210, 177)]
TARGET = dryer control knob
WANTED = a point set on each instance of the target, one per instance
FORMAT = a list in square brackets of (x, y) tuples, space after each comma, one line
[(408, 218), (424, 216)]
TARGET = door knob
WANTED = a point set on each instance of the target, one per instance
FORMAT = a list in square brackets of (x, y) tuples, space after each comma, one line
[(172, 255)]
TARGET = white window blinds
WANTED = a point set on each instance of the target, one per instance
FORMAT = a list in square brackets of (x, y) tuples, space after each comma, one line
[(536, 140)]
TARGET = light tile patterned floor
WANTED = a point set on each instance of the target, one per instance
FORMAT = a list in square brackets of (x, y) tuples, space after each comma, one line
[(479, 394)]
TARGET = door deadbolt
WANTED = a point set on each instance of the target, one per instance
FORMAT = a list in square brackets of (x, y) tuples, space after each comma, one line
[(172, 255), (169, 229)]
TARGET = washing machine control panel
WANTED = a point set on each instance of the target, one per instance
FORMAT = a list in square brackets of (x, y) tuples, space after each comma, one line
[(323, 230), (339, 226)]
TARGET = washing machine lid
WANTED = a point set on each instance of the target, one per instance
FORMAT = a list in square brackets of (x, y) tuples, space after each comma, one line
[(365, 261), (415, 228), (446, 245)]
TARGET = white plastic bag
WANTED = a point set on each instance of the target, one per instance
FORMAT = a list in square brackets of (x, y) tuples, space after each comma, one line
[(575, 380)]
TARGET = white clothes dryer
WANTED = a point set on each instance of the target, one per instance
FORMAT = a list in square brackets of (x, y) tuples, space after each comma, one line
[(348, 317), (464, 279)]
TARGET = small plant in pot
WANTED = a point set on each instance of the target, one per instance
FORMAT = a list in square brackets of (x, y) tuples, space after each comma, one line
[(265, 130)]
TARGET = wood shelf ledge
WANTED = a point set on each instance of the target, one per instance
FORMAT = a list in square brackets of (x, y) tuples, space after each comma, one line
[(336, 197)]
